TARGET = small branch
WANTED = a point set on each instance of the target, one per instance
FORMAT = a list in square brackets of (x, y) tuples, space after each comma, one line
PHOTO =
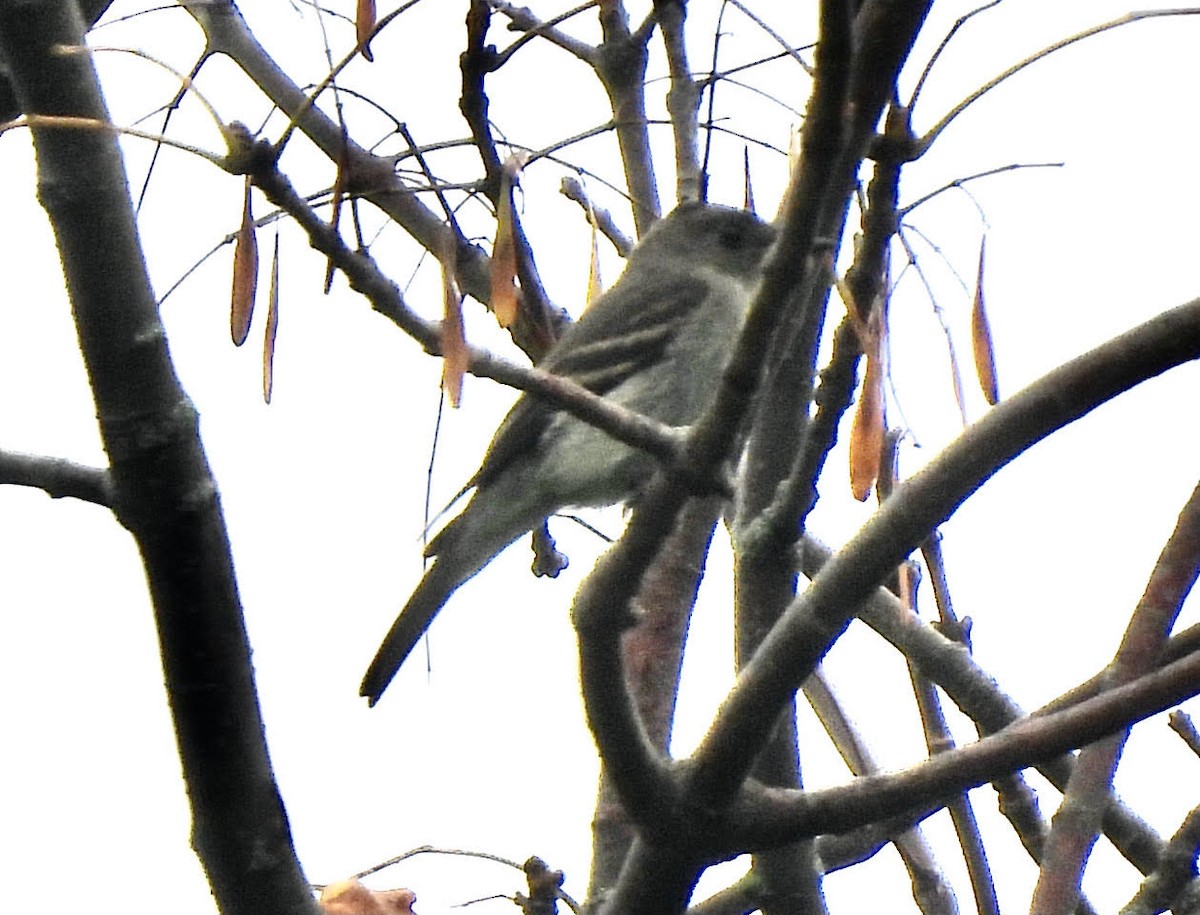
[(371, 177), (475, 63), (945, 43), (775, 36), (924, 872), (573, 189), (522, 19), (938, 736), (68, 122), (330, 79), (531, 864), (959, 182), (1182, 725), (58, 477)]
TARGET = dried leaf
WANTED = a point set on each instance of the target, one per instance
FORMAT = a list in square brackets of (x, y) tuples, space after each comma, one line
[(866, 433), (272, 325), (349, 897), (504, 248), (245, 274), (595, 284), (504, 265), (981, 339), (455, 356), (364, 25), (955, 366)]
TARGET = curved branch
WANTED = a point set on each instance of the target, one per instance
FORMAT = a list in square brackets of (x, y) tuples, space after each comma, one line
[(820, 615), (950, 666), (773, 816), (933, 133)]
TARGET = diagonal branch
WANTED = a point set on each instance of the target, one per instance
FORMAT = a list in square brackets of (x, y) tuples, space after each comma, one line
[(950, 665), (368, 175), (764, 816), (366, 278), (1075, 827), (934, 132)]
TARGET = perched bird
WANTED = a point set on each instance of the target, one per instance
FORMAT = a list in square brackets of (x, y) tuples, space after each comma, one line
[(655, 343)]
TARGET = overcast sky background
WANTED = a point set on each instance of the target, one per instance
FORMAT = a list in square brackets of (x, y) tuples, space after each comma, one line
[(323, 490)]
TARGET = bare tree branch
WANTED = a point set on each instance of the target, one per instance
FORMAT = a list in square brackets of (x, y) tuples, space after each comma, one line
[(934, 132), (162, 489), (59, 477), (821, 613), (1076, 826)]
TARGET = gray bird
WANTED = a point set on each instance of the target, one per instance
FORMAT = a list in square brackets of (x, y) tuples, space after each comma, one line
[(656, 343)]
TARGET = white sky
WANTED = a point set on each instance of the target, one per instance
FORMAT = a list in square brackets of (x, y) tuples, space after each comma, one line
[(323, 490)]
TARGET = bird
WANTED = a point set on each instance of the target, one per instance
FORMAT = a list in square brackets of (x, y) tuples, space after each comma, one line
[(655, 343)]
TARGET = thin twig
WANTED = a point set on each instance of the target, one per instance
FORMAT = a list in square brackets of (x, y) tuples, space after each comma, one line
[(927, 140)]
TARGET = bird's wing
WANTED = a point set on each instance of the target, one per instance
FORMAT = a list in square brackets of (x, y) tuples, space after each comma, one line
[(613, 341)]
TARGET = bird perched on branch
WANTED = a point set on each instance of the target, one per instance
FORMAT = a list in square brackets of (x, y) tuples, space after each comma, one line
[(655, 343)]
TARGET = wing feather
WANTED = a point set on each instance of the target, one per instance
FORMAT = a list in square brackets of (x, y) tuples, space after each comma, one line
[(595, 355)]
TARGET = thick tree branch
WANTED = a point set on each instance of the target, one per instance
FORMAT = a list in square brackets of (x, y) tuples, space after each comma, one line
[(162, 488), (683, 100), (822, 186), (621, 66), (653, 661), (10, 108), (832, 150), (764, 816)]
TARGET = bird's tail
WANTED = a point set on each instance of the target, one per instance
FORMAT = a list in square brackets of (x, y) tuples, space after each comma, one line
[(439, 583), (465, 546)]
